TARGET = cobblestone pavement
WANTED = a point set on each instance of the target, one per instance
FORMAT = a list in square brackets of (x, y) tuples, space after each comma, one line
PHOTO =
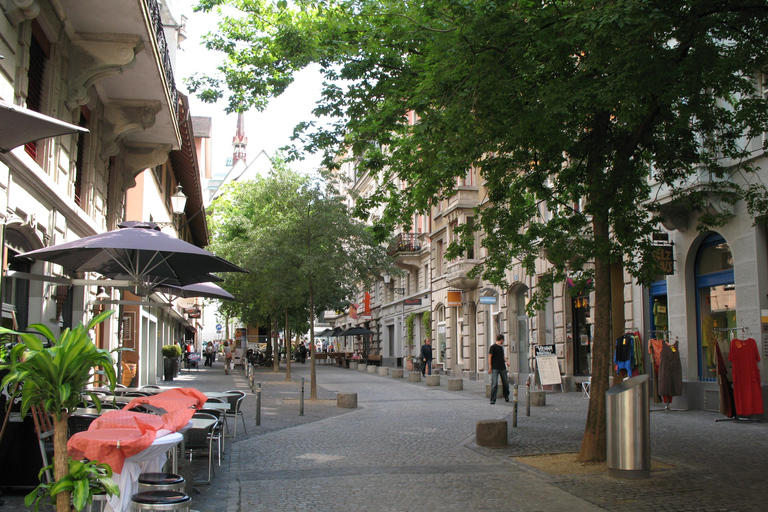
[(409, 447)]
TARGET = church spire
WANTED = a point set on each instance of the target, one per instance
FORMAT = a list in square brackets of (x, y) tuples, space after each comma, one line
[(240, 141)]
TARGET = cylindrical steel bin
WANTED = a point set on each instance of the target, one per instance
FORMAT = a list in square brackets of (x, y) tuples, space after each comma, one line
[(161, 482), (629, 429), (160, 501)]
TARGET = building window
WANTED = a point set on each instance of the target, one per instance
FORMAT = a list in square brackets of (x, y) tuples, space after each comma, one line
[(439, 258), (39, 52), (80, 160)]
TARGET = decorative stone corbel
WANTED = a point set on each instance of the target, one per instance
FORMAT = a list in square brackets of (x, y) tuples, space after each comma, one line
[(95, 56), (19, 10), (140, 156), (122, 117)]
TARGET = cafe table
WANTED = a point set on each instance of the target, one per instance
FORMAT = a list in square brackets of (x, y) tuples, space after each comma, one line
[(219, 406), (127, 443), (219, 394)]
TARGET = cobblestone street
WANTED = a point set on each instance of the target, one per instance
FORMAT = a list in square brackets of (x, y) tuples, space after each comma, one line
[(409, 447)]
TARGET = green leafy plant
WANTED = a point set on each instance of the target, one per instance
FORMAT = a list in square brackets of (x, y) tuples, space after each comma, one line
[(83, 481), (51, 375), (426, 322), (409, 332), (171, 351)]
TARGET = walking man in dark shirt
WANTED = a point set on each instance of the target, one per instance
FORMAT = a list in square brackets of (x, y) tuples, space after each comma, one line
[(426, 358), (497, 367)]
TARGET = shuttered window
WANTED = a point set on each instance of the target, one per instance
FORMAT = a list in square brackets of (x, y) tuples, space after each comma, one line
[(39, 51)]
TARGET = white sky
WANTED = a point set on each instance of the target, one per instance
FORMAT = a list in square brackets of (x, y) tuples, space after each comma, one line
[(267, 130)]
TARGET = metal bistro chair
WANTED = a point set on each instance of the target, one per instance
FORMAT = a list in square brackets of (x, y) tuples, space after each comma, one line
[(234, 411), (201, 440), (220, 401), (218, 431), (80, 423)]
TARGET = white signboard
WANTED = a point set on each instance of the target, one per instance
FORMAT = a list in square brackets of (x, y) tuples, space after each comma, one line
[(549, 371)]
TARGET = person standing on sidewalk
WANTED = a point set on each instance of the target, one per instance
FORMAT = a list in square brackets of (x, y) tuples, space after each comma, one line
[(227, 357), (497, 367), (426, 358)]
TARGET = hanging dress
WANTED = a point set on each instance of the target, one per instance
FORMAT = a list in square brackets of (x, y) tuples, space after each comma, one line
[(670, 372), (747, 390)]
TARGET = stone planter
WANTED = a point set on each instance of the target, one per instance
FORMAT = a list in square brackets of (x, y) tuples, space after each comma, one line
[(167, 368)]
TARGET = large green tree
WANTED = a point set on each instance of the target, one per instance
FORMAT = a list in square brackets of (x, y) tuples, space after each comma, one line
[(301, 244), (578, 114)]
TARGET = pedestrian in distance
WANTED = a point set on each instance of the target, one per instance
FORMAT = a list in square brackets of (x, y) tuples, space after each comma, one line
[(497, 367), (209, 354), (227, 357), (426, 358)]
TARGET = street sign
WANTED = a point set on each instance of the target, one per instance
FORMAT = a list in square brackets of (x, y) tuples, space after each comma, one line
[(488, 300), (218, 327)]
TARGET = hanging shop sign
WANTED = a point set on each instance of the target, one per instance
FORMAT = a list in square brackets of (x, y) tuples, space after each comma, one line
[(454, 299), (665, 256)]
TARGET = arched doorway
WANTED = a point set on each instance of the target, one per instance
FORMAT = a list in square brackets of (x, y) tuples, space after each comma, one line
[(715, 302)]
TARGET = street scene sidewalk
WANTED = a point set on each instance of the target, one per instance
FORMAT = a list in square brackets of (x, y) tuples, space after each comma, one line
[(409, 447)]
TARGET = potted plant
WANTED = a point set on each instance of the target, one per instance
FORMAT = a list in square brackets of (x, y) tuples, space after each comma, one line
[(83, 480), (171, 354), (52, 375)]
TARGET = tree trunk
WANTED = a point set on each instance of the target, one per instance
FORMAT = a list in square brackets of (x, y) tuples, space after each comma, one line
[(61, 460), (276, 349), (312, 373), (287, 344), (593, 444)]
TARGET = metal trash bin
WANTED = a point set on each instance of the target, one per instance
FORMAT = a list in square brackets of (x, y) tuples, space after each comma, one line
[(628, 429)]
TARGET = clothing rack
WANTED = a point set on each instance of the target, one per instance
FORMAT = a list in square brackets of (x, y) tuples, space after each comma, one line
[(744, 330)]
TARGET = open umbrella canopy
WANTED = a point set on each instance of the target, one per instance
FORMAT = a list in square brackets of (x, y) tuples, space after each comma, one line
[(356, 331), (138, 252), (19, 125), (324, 333), (207, 290), (336, 332)]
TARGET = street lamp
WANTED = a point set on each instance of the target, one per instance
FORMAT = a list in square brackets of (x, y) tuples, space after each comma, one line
[(387, 280), (178, 203)]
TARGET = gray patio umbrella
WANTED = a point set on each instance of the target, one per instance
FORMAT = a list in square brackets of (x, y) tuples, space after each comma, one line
[(19, 125), (356, 331), (138, 252), (207, 290)]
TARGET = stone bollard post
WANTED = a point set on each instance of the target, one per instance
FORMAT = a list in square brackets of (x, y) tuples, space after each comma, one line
[(488, 391), (397, 373), (371, 368), (538, 398), (433, 380), (383, 371), (491, 433), (414, 376), (346, 400), (455, 384), (353, 365), (362, 367)]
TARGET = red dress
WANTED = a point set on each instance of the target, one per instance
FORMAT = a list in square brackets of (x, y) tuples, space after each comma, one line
[(747, 390)]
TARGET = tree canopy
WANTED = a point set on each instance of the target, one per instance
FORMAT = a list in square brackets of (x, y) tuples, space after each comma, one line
[(305, 251), (581, 116)]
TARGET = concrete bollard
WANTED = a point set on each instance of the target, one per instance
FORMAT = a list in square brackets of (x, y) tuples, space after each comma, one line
[(346, 400), (362, 367), (353, 365), (455, 384), (433, 380), (371, 368), (488, 391), (383, 371), (491, 433), (397, 373), (538, 398), (414, 376)]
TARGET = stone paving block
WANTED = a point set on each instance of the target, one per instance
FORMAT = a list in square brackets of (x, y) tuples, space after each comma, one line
[(433, 380), (397, 373), (491, 433), (346, 400), (383, 371), (414, 377), (455, 384)]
